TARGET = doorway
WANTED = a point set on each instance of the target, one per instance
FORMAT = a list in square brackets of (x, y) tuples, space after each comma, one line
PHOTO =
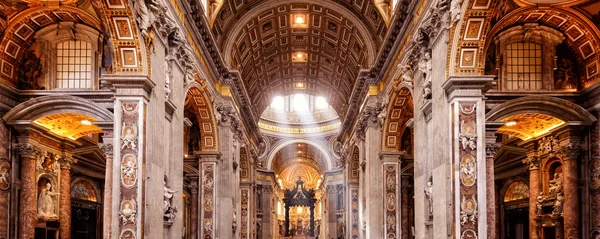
[(516, 223), (84, 221)]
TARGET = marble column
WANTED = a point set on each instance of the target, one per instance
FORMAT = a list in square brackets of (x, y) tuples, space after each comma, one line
[(369, 129), (107, 149), (491, 147), (6, 188), (194, 208), (226, 192), (65, 198), (207, 205), (404, 207), (469, 165), (570, 188), (594, 179), (29, 154), (533, 162), (390, 192)]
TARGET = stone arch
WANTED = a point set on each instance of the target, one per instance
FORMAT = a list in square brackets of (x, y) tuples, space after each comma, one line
[(229, 42), (555, 107), (20, 31), (400, 110), (507, 184), (330, 161), (198, 101), (54, 104), (481, 19), (90, 185)]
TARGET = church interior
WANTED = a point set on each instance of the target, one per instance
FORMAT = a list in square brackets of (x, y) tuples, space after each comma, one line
[(256, 119)]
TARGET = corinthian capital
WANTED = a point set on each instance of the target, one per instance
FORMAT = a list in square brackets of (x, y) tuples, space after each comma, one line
[(533, 162), (226, 116), (65, 162), (570, 151), (491, 149), (29, 151), (107, 149)]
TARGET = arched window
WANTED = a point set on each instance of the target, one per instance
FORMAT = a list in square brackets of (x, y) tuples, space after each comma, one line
[(84, 190), (71, 56), (525, 56), (515, 191), (74, 63)]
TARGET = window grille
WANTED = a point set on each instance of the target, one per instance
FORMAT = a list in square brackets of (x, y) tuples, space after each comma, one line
[(524, 66), (74, 65)]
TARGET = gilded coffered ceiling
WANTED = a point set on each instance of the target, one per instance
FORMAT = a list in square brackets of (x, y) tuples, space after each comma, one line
[(527, 126), (316, 47), (306, 172), (69, 125), (299, 153)]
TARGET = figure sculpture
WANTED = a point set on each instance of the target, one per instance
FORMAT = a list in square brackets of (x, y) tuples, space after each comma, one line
[(429, 195), (169, 210), (46, 202)]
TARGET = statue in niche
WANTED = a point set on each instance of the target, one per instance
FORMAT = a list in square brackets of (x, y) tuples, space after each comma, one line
[(45, 207), (107, 55), (426, 67), (429, 195), (565, 76), (169, 209), (142, 17), (556, 185), (234, 224), (194, 141), (541, 199), (30, 70), (558, 205)]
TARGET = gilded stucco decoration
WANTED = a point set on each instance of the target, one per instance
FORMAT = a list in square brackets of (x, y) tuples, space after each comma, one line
[(399, 113), (207, 215), (197, 102), (488, 17), (130, 161), (529, 125), (70, 125), (20, 31), (467, 162)]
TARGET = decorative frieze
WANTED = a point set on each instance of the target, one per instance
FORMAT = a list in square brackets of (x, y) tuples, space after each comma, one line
[(208, 200), (130, 161), (391, 201), (245, 219), (549, 144), (468, 176)]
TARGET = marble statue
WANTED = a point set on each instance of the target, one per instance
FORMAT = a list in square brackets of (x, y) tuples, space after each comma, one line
[(426, 67), (556, 184), (169, 210), (142, 17), (429, 195), (558, 205), (540, 203), (455, 8), (46, 202), (234, 224), (167, 80)]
